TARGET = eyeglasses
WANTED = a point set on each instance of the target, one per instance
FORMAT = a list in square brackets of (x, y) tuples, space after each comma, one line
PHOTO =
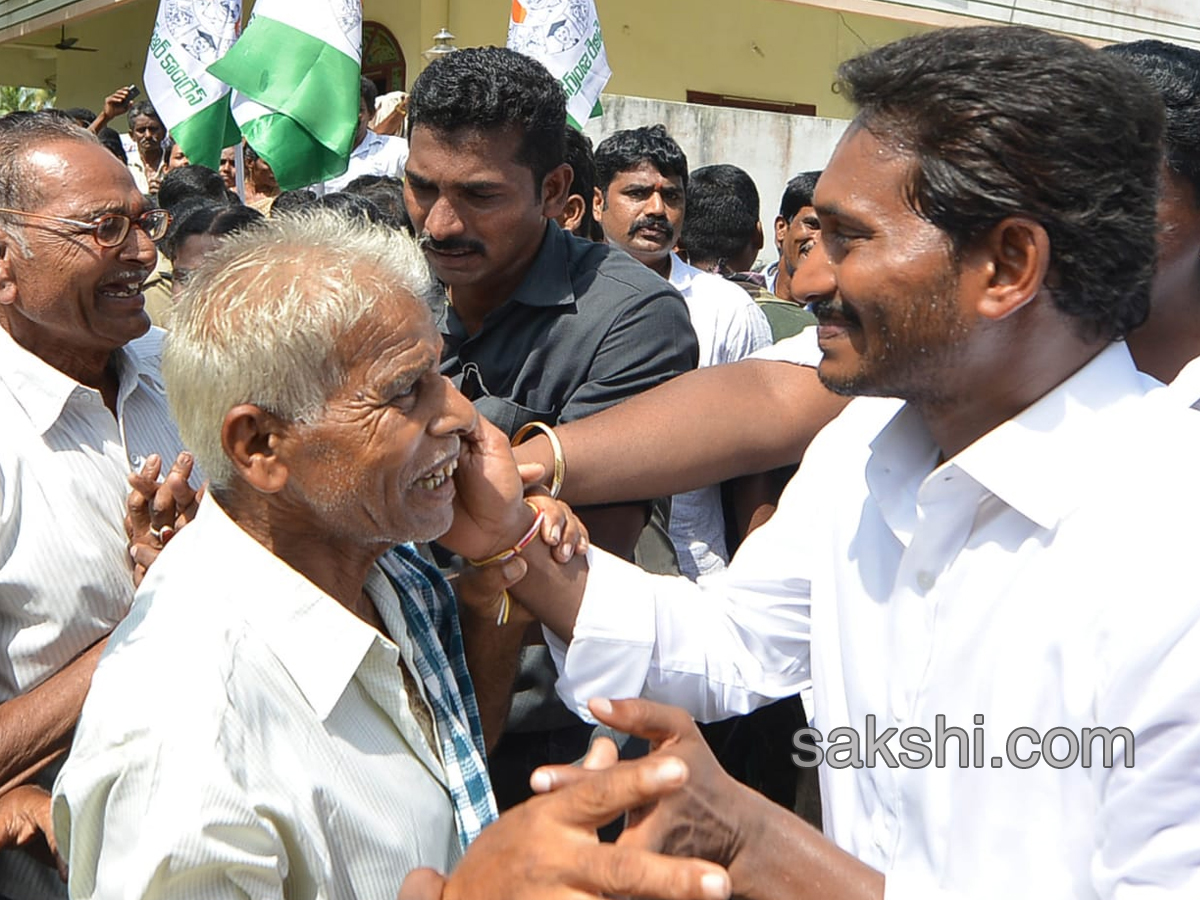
[(111, 229)]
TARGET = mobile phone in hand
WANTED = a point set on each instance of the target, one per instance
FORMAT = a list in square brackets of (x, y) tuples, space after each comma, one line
[(133, 93)]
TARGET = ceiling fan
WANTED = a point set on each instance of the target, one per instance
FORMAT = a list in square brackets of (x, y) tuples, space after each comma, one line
[(66, 43)]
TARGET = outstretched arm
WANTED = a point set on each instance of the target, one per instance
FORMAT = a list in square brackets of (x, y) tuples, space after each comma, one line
[(700, 428)]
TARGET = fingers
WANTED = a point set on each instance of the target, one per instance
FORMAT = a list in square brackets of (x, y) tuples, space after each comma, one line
[(609, 870), (144, 485), (653, 721), (422, 884), (561, 528), (533, 473), (143, 556), (600, 798), (602, 754), (175, 500)]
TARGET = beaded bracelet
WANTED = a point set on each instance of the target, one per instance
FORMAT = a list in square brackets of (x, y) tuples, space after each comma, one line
[(505, 555)]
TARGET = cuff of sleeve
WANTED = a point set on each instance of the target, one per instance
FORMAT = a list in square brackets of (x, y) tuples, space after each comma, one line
[(610, 653)]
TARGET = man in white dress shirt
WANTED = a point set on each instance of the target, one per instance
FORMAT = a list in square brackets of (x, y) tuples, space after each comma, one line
[(987, 237), (82, 407), (641, 181), (372, 154)]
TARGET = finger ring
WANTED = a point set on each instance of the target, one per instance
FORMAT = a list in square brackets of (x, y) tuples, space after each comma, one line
[(163, 534)]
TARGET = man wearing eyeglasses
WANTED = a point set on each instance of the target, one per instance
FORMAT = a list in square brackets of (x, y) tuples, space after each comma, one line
[(82, 408)]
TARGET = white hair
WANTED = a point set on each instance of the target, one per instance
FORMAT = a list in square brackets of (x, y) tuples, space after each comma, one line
[(262, 316)]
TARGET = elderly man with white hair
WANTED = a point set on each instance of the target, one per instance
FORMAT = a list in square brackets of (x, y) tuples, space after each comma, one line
[(286, 711)]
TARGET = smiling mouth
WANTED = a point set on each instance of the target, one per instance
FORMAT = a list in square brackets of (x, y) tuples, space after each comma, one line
[(125, 288), (438, 476)]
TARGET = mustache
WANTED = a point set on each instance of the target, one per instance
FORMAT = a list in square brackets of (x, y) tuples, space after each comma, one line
[(825, 309), (661, 222), (427, 242)]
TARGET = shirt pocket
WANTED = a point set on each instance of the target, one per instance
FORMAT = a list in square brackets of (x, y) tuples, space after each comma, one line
[(510, 417)]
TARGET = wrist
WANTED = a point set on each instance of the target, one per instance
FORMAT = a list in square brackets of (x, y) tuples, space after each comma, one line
[(517, 532)]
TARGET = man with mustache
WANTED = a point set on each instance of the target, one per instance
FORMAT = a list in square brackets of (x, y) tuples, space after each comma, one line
[(987, 242), (641, 183), (538, 325), (82, 405)]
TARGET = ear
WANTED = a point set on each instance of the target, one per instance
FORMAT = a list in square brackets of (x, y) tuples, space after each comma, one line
[(1010, 262), (572, 213), (555, 188), (8, 281), (251, 438), (598, 205), (781, 227), (758, 237)]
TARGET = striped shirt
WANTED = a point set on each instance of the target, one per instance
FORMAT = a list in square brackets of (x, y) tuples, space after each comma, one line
[(248, 736), (65, 577)]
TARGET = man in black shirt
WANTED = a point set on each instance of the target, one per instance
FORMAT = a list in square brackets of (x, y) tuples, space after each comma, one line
[(538, 325)]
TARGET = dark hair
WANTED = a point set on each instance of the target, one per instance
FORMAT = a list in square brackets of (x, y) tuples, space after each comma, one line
[(1174, 72), (201, 216), (722, 214), (624, 150), (491, 89), (583, 180), (192, 181), (292, 201), (80, 114), (369, 93), (112, 141), (142, 108), (798, 194), (387, 193), (1006, 121), (354, 207)]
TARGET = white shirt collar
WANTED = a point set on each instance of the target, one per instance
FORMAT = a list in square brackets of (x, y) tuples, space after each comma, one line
[(1031, 462), (42, 391), (682, 273), (319, 641)]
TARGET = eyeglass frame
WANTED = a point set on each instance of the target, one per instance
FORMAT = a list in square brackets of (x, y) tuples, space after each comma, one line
[(93, 227)]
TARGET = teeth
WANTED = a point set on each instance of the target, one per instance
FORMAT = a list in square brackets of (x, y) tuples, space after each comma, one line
[(438, 476)]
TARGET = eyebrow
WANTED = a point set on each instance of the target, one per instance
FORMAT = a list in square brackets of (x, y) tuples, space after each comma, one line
[(832, 210), (480, 185), (410, 374)]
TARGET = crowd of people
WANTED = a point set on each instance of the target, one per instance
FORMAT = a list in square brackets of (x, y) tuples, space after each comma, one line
[(394, 533)]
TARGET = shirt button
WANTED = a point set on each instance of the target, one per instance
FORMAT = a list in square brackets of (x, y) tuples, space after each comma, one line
[(926, 580)]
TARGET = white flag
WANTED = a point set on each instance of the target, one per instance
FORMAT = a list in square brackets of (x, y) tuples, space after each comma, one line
[(565, 37), (188, 36)]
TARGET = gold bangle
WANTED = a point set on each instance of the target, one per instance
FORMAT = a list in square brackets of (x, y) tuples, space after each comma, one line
[(560, 459)]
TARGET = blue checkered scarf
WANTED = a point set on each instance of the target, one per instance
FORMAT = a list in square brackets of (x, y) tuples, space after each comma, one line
[(431, 615)]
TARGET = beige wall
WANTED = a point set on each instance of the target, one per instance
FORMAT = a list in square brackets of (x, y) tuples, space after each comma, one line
[(770, 49)]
